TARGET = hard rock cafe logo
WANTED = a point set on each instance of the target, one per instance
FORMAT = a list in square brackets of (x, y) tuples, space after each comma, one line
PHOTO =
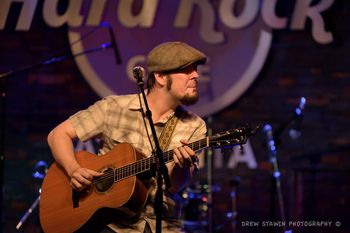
[(235, 34)]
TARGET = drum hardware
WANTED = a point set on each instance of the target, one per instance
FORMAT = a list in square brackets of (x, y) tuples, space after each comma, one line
[(38, 174), (196, 206), (234, 182), (231, 215)]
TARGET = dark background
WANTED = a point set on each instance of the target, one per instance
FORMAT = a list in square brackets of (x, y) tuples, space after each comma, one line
[(314, 167)]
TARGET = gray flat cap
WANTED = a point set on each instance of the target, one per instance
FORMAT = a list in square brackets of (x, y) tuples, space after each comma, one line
[(173, 56)]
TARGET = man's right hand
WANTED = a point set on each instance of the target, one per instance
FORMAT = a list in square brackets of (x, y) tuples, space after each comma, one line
[(82, 177)]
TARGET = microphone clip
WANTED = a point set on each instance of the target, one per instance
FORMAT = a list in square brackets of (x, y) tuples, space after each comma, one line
[(139, 73)]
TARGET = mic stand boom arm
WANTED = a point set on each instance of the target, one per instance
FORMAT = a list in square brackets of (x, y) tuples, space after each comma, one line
[(161, 169), (298, 114), (54, 60)]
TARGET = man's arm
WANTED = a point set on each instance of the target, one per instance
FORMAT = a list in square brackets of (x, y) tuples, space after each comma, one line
[(182, 169), (60, 140)]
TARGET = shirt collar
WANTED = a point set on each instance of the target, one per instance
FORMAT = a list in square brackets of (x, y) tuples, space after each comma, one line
[(135, 106)]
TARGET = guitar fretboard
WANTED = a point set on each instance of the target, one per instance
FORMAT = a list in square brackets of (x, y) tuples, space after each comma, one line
[(144, 165)]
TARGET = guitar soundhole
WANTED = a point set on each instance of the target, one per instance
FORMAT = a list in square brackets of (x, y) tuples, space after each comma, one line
[(105, 182)]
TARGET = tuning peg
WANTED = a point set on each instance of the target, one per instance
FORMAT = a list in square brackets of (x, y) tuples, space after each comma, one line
[(258, 127)]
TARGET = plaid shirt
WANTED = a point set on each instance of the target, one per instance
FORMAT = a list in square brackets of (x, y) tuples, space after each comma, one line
[(117, 119)]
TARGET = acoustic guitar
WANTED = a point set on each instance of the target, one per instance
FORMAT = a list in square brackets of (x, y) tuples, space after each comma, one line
[(64, 210)]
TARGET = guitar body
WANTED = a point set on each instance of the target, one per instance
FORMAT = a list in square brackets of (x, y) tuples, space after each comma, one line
[(63, 210)]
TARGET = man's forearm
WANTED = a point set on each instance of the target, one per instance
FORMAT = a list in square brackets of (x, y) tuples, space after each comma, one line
[(61, 146)]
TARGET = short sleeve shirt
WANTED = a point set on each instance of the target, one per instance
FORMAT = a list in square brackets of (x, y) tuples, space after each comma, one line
[(116, 119)]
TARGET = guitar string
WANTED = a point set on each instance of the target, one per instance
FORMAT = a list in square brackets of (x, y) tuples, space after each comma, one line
[(124, 172), (145, 164), (129, 169), (135, 168)]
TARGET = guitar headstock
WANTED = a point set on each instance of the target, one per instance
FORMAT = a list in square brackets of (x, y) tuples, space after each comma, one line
[(232, 137)]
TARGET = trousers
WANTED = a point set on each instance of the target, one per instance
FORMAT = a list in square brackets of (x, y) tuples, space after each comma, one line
[(109, 230)]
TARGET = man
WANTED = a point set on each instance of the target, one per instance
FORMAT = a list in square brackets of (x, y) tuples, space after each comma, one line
[(172, 81)]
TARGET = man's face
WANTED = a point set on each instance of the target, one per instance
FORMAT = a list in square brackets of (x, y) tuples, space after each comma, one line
[(183, 85)]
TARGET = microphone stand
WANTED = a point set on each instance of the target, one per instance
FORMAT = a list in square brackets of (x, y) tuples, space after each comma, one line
[(270, 143), (29, 211), (4, 77), (40, 172), (298, 115), (210, 173), (161, 169)]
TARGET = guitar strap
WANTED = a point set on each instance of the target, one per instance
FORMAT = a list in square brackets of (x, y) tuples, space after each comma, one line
[(167, 132)]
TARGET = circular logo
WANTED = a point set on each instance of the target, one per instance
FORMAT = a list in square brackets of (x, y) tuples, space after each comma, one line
[(236, 53)]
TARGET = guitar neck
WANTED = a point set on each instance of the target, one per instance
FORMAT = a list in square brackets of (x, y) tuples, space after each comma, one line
[(144, 165), (195, 146), (229, 138)]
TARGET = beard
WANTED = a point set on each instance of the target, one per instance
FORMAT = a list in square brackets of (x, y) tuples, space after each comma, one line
[(189, 100)]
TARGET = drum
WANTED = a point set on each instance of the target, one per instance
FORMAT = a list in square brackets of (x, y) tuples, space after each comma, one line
[(195, 207)]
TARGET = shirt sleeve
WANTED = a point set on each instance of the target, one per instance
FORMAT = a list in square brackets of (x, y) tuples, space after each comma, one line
[(90, 122)]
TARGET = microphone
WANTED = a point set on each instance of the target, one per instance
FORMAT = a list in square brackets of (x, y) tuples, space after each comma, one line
[(295, 131), (139, 73), (113, 42), (40, 170)]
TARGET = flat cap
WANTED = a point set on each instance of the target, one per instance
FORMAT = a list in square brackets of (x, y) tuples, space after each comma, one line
[(173, 56)]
